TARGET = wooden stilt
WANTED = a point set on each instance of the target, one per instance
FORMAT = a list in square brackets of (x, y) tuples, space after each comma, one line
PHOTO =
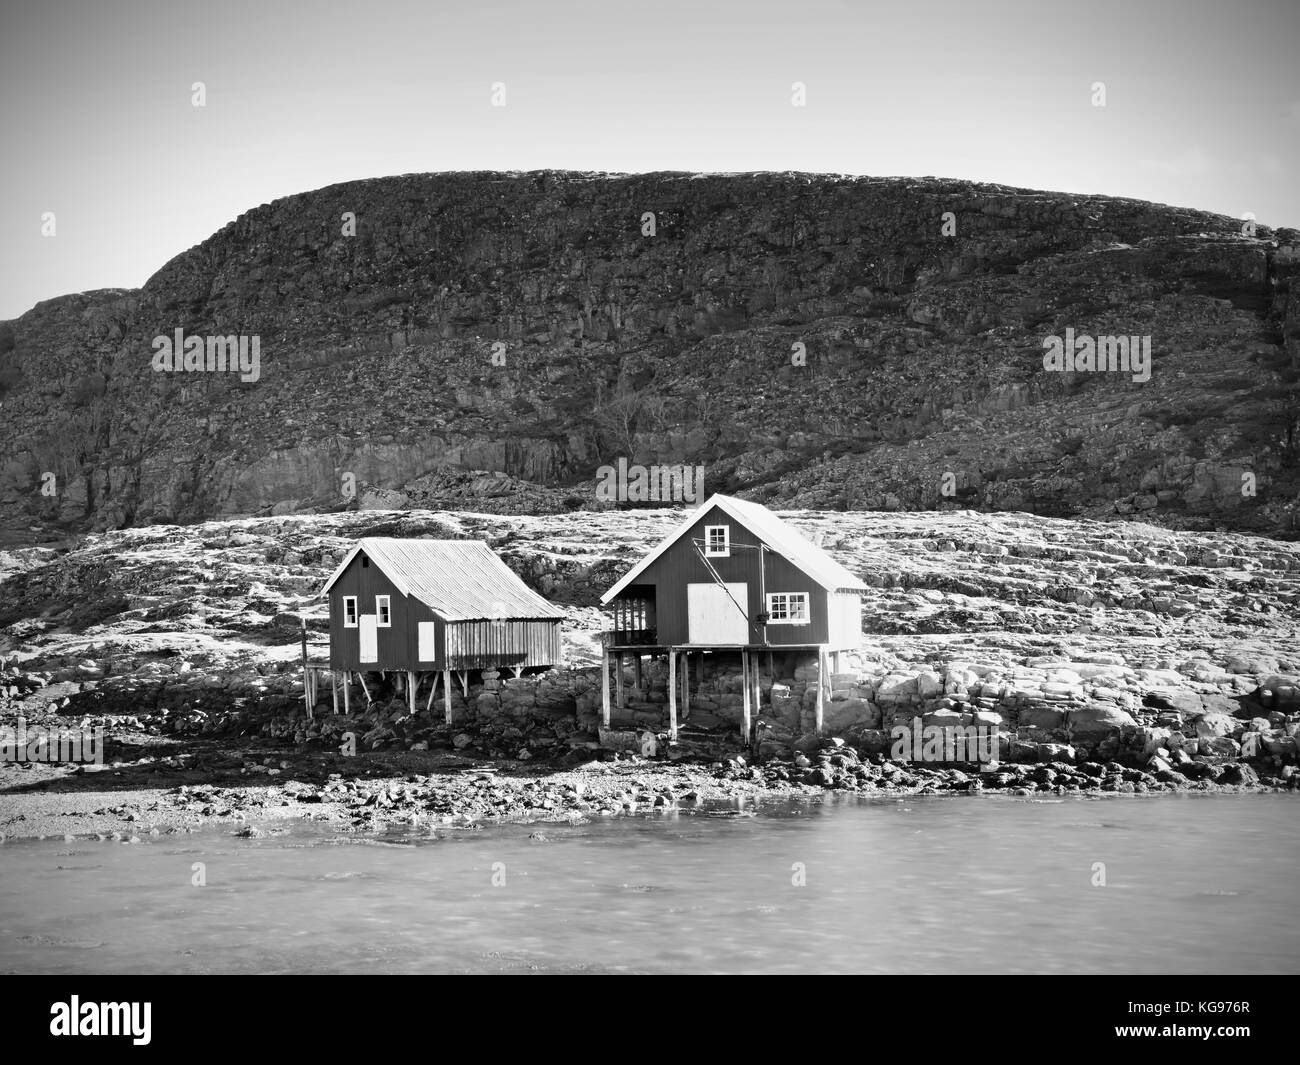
[(620, 695), (446, 692), (410, 691), (757, 677), (433, 691), (604, 686), (347, 690), (361, 679), (672, 694), (686, 685), (823, 666), (636, 675), (746, 729), (464, 682), (334, 687), (306, 684)]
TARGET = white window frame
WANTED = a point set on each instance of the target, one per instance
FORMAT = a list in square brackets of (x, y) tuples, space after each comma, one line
[(789, 601), (383, 611), (726, 541), (350, 600)]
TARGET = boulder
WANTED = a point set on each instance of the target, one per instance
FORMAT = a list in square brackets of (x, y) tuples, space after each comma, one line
[(1099, 718)]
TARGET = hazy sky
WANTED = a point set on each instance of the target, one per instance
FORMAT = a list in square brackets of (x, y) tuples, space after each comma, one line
[(1202, 104)]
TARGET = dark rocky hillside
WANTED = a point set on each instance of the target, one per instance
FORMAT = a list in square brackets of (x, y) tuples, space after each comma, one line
[(923, 366)]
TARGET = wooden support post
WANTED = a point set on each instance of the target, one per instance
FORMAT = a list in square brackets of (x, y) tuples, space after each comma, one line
[(823, 681), (686, 685), (410, 690), (746, 725), (361, 679), (306, 684), (604, 685), (636, 676), (620, 695), (464, 683), (672, 694), (433, 690), (334, 687), (347, 690), (446, 692)]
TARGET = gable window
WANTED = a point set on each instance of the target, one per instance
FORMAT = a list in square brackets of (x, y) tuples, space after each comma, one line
[(788, 608), (717, 540), (383, 612), (349, 611)]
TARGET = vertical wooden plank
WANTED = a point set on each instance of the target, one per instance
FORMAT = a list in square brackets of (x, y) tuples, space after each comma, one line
[(746, 729), (620, 696), (823, 667), (347, 691), (636, 675), (756, 676), (410, 690), (604, 685), (672, 694), (446, 692), (433, 691), (334, 687)]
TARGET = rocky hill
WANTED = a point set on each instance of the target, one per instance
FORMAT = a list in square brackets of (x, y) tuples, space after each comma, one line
[(488, 340)]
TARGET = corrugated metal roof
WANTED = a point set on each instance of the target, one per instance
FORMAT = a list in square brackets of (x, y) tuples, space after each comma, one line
[(774, 532), (460, 580)]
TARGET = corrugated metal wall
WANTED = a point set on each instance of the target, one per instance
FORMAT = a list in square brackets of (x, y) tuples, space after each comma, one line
[(482, 644)]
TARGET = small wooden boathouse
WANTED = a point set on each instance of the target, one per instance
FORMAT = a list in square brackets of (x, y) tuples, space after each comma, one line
[(732, 578), (430, 608)]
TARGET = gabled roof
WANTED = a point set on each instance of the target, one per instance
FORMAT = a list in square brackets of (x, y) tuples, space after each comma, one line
[(459, 580), (771, 530)]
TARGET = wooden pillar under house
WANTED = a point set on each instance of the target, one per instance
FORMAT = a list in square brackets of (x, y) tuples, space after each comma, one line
[(686, 685), (334, 687), (823, 680), (433, 691), (746, 728), (620, 696), (411, 684), (347, 689), (672, 694), (604, 685), (446, 692)]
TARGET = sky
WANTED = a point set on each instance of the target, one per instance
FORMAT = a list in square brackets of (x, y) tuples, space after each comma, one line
[(1202, 104)]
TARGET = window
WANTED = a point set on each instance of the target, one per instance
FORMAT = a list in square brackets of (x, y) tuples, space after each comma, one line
[(349, 611), (717, 540), (382, 612), (788, 608)]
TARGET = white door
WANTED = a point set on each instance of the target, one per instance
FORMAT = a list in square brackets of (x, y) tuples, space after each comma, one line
[(369, 638), (714, 616), (427, 634)]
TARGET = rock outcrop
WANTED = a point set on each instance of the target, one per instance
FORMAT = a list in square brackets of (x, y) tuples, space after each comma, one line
[(812, 341)]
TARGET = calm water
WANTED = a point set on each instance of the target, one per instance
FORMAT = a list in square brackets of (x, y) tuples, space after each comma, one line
[(1193, 884)]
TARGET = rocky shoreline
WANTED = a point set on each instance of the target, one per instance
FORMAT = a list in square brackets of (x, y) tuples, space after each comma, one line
[(154, 785)]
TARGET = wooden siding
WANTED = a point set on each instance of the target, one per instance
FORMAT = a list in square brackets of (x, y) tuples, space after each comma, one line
[(680, 565)]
